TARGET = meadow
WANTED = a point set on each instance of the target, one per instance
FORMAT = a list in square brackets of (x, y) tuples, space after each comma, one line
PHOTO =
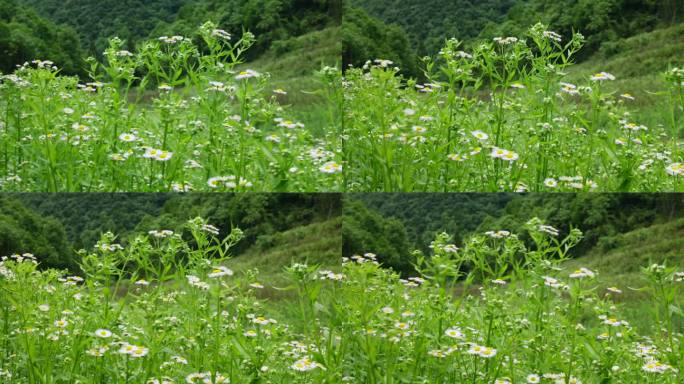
[(167, 307), (503, 310), (180, 113), (512, 114), (172, 307)]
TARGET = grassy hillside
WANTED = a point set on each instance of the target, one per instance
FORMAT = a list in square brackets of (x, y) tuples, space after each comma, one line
[(318, 243), (638, 61), (299, 57), (293, 63), (619, 261), (619, 258)]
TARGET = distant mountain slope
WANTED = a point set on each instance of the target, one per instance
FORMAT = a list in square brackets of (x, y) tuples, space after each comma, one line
[(84, 217), (269, 20), (601, 21), (619, 258), (418, 217), (365, 37), (23, 230), (292, 64), (425, 214), (136, 20), (25, 36), (430, 23), (97, 21), (639, 55), (638, 62), (318, 243), (619, 261)]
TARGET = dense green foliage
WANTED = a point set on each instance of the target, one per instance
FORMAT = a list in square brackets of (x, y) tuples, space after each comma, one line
[(428, 25), (367, 38), (53, 226), (24, 36), (599, 215), (204, 120), (258, 215), (98, 21), (500, 310), (23, 230), (516, 314), (85, 216), (365, 230), (423, 216), (506, 116), (272, 21), (136, 20), (166, 309), (603, 22)]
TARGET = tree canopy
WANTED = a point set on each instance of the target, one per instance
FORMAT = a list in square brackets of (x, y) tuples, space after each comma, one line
[(135, 20), (429, 24), (601, 21), (54, 226), (25, 231), (392, 225), (367, 38), (25, 36)]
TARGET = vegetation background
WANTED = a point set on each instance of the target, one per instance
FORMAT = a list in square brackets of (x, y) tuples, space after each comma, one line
[(278, 228), (623, 233), (294, 38), (67, 31), (411, 26), (392, 225)]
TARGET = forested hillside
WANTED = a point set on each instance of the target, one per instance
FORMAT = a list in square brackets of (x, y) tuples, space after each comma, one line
[(25, 36), (601, 21), (65, 32), (425, 214), (366, 230), (269, 20), (97, 21), (135, 20), (23, 230), (53, 227), (367, 38), (429, 24), (389, 224)]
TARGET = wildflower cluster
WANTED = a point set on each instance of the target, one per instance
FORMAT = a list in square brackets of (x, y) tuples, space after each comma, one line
[(171, 116), (499, 308), (193, 321), (507, 117), (544, 323)]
